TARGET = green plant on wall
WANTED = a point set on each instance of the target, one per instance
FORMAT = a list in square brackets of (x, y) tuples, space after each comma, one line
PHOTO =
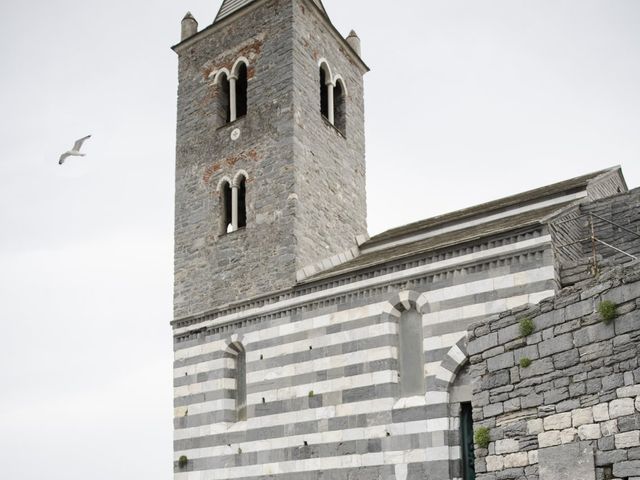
[(527, 327), (482, 437), (608, 311), (183, 461), (525, 362)]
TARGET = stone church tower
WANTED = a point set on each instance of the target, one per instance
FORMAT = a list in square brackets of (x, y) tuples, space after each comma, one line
[(304, 350), (270, 170)]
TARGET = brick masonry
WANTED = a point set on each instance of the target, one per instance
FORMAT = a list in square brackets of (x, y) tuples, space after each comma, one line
[(580, 397)]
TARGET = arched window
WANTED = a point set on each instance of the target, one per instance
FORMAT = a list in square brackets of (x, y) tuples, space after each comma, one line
[(340, 106), (325, 89), (241, 90), (224, 99), (411, 354), (242, 202), (226, 203), (239, 372)]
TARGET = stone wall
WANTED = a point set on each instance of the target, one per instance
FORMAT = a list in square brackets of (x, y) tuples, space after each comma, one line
[(574, 413), (574, 225)]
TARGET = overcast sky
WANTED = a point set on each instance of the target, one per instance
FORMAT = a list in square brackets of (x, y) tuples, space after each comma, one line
[(467, 101)]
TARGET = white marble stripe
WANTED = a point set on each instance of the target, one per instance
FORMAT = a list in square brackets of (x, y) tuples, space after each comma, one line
[(308, 415), (202, 387), (383, 279), (300, 391), (479, 221), (370, 331), (329, 463), (482, 309), (335, 436), (325, 363)]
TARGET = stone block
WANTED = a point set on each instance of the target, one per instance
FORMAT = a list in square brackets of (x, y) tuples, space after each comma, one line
[(493, 410), (481, 344), (628, 391), (601, 412), (533, 457), (549, 439), (609, 428), (558, 422), (582, 416), (507, 445), (572, 461), (638, 404), (628, 439), (627, 469), (535, 426), (568, 435), (495, 463), (500, 362), (593, 334), (515, 460), (589, 432), (621, 407), (556, 345)]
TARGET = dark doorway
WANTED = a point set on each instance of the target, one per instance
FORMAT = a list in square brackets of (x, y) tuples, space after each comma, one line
[(466, 442)]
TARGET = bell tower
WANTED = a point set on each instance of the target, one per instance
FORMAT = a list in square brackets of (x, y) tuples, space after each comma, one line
[(270, 154)]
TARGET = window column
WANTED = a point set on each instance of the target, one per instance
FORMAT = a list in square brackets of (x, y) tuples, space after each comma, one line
[(234, 208), (330, 101), (232, 98)]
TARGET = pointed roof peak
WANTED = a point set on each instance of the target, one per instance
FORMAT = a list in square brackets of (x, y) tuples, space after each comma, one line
[(229, 7), (189, 16), (352, 33)]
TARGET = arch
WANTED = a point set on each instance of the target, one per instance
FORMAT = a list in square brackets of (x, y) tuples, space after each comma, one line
[(236, 351), (323, 64), (223, 103), (222, 181), (237, 177), (226, 205), (451, 364), (236, 65), (340, 104), (240, 73), (223, 72)]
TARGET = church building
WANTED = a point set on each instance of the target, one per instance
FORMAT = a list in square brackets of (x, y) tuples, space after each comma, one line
[(303, 349)]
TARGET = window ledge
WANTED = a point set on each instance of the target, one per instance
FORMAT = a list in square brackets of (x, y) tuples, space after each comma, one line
[(232, 124), (337, 130)]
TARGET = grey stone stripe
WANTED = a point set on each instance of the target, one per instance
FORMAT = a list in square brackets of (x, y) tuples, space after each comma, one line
[(323, 450), (328, 351), (318, 332), (203, 397), (490, 296), (206, 357), (215, 374), (362, 473), (324, 375)]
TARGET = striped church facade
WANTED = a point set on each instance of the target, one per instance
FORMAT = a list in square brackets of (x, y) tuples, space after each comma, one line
[(308, 383)]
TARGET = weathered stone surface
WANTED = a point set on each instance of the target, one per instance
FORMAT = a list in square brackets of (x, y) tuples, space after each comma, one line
[(516, 460), (572, 461), (582, 416), (621, 407), (627, 469), (558, 422), (507, 445), (549, 439), (628, 439), (589, 432), (601, 412)]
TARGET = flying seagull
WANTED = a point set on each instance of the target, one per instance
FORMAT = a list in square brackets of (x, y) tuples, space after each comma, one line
[(75, 151)]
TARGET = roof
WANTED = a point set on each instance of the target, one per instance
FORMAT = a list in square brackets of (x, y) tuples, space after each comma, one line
[(457, 237), (503, 215), (528, 197), (229, 7)]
